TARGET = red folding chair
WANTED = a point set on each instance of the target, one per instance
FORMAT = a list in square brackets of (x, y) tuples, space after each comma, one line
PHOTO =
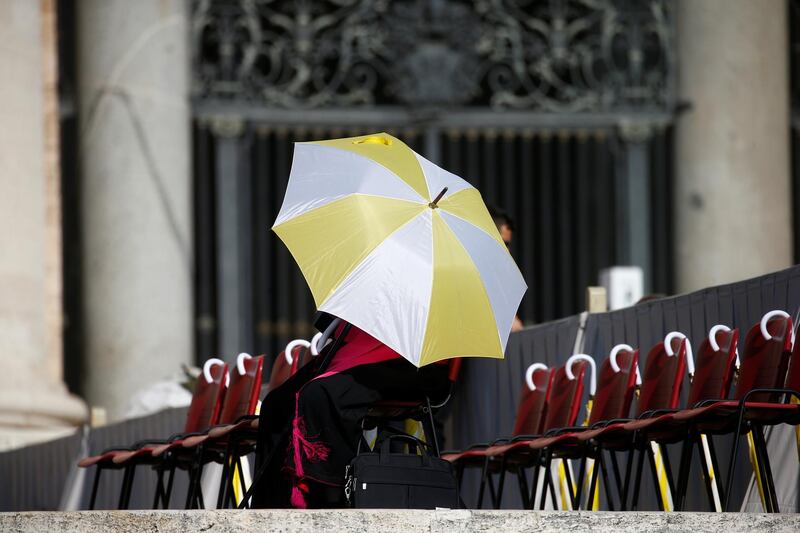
[(515, 454), (615, 390), (530, 416), (662, 379), (715, 368), (761, 399), (238, 437), (192, 452), (203, 412)]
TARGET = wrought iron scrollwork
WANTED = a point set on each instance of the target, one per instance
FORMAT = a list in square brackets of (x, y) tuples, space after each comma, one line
[(556, 55)]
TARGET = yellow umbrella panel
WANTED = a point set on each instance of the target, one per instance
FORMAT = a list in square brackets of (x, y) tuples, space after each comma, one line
[(432, 280)]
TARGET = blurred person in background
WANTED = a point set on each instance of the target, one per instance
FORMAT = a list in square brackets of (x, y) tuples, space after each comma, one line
[(505, 225)]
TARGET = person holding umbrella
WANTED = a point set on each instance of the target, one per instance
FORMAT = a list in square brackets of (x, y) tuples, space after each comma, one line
[(311, 426), (408, 257)]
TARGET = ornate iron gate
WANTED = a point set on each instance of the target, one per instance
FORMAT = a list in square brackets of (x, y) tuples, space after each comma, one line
[(559, 111)]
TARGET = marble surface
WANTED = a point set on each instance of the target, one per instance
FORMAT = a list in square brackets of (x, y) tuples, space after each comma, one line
[(392, 520)]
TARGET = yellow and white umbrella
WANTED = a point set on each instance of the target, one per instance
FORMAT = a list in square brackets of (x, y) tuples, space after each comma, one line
[(400, 248)]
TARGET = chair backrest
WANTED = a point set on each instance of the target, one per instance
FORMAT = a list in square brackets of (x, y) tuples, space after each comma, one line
[(615, 388), (532, 407), (715, 365), (243, 391), (663, 376), (284, 367), (765, 360), (565, 397), (209, 394)]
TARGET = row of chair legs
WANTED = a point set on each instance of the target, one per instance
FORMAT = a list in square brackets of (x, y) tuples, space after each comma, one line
[(620, 495), (165, 476)]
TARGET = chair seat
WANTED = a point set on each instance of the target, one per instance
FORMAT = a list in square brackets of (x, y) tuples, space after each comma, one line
[(721, 416), (100, 458), (562, 440), (516, 450), (613, 436), (141, 454), (664, 428), (476, 454)]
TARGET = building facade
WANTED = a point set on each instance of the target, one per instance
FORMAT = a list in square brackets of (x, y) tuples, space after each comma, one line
[(141, 179)]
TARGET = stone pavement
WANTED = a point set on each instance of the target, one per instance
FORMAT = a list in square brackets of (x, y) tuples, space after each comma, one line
[(362, 521)]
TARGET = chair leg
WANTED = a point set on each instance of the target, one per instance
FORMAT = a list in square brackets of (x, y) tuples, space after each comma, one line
[(734, 454), (623, 504), (242, 484), (127, 485), (95, 484), (195, 472), (522, 480), (684, 467), (715, 465), (159, 492), (763, 462), (638, 480), (535, 482), (617, 475), (707, 480), (431, 426), (482, 486), (606, 482), (497, 498), (548, 480), (581, 477), (651, 458), (667, 468), (223, 480), (593, 481), (170, 479), (492, 491), (568, 479)]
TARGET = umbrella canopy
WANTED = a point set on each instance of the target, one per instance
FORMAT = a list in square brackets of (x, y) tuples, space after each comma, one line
[(429, 277)]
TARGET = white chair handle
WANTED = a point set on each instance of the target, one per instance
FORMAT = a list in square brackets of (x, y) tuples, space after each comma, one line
[(689, 354), (612, 357), (240, 362), (712, 339), (207, 369), (314, 343), (327, 334), (287, 352), (712, 335), (765, 320), (592, 376), (529, 374)]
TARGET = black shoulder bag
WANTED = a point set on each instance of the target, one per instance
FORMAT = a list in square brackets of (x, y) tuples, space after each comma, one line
[(385, 480)]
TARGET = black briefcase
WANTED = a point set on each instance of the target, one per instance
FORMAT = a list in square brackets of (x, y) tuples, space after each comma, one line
[(385, 480)]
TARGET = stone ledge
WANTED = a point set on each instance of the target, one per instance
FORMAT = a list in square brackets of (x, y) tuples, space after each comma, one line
[(362, 521)]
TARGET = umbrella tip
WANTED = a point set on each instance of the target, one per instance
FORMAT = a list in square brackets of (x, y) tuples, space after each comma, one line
[(433, 204)]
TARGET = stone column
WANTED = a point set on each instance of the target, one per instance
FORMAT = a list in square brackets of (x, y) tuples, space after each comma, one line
[(34, 403), (134, 120), (732, 208)]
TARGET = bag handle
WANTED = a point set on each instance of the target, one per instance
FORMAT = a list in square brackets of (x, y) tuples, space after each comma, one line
[(386, 447)]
